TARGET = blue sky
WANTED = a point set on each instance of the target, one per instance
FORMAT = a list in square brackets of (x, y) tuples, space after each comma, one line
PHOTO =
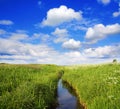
[(59, 31)]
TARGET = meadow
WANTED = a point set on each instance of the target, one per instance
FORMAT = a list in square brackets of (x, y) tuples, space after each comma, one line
[(34, 86), (97, 86), (28, 86)]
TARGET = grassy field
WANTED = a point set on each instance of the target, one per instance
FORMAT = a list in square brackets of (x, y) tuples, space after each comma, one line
[(28, 86), (97, 86), (34, 86)]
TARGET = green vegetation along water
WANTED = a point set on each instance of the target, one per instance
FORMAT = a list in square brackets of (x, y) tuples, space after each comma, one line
[(28, 86), (97, 86), (35, 86)]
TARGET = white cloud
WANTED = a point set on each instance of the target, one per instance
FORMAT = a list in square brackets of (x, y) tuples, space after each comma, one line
[(103, 52), (60, 32), (14, 47), (20, 43), (61, 35), (71, 44), (57, 16), (41, 37), (6, 22), (105, 2), (83, 25), (73, 57), (100, 31), (9, 46), (60, 39), (13, 50), (116, 14), (73, 54), (19, 36)]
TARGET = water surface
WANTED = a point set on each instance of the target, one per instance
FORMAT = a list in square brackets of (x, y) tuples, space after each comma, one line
[(66, 100)]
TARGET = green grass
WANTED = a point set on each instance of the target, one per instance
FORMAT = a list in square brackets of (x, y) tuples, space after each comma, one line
[(97, 86), (28, 86), (34, 86)]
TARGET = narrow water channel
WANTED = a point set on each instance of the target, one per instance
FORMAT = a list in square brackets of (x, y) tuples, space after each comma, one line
[(66, 99)]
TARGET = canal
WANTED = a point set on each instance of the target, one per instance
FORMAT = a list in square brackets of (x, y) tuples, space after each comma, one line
[(67, 99)]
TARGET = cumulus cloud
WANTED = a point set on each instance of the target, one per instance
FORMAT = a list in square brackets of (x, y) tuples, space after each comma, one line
[(103, 52), (6, 22), (105, 2), (16, 48), (100, 31), (21, 35), (61, 35), (71, 44), (57, 16), (13, 50), (20, 43), (60, 32)]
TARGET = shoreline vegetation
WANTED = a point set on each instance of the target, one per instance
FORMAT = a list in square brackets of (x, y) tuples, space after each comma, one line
[(72, 90), (28, 86), (34, 86), (97, 86)]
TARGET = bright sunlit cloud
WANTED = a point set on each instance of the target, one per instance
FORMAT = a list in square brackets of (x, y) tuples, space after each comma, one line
[(57, 16)]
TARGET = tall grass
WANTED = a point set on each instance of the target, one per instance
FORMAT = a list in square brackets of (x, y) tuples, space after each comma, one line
[(34, 86), (97, 86), (28, 86)]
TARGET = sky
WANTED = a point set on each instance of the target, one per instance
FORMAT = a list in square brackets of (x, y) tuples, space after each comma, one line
[(62, 32)]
